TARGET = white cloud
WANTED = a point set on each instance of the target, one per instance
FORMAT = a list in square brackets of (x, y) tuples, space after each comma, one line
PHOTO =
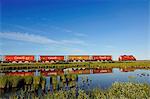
[(70, 31), (109, 46), (74, 41), (67, 30), (28, 29), (80, 34), (27, 37), (38, 39)]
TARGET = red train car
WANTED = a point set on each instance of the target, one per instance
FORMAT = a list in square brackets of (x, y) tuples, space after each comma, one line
[(52, 58), (102, 58), (127, 58), (19, 58), (78, 58)]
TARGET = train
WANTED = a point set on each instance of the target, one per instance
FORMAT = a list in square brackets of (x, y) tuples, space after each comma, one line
[(61, 58), (126, 58)]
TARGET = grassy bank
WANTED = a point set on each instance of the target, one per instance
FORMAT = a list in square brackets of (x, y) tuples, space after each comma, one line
[(139, 64)]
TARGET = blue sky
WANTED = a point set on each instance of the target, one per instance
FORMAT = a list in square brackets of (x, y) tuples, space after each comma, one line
[(63, 27)]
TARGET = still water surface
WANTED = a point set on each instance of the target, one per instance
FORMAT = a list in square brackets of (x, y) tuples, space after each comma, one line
[(79, 78)]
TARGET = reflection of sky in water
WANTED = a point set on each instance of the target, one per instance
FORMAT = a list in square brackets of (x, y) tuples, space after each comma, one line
[(106, 80), (36, 73)]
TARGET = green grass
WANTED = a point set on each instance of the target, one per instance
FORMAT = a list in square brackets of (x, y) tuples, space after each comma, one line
[(3, 81), (136, 64), (14, 81), (9, 81), (28, 79)]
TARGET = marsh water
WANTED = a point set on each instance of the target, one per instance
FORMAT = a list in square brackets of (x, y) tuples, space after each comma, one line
[(78, 78)]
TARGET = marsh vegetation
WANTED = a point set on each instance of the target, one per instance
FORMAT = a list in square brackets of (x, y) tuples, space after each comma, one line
[(77, 83), (116, 91)]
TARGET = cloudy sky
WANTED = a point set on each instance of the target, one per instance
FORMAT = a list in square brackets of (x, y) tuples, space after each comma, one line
[(62, 27)]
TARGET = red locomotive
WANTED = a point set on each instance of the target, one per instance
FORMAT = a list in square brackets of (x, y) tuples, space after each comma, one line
[(127, 58)]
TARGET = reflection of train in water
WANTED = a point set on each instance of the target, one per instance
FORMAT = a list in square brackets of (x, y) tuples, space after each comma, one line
[(68, 58), (56, 72), (74, 71), (70, 71), (57, 79), (127, 69), (61, 78), (20, 73)]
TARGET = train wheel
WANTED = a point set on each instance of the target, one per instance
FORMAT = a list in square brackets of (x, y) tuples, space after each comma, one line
[(20, 62), (46, 61), (26, 62), (74, 60), (14, 62), (52, 61)]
